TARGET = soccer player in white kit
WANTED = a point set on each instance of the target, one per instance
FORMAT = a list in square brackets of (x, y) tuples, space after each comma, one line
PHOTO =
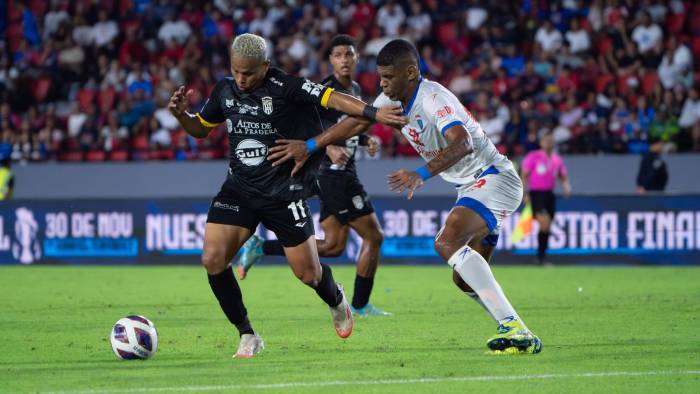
[(454, 145)]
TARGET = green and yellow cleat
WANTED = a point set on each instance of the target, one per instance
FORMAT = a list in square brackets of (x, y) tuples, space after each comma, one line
[(514, 338)]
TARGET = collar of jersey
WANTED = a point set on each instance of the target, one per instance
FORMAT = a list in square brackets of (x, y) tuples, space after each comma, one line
[(413, 98)]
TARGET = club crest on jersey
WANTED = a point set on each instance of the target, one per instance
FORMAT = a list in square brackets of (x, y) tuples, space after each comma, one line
[(229, 103), (420, 122), (267, 104), (358, 202), (251, 152)]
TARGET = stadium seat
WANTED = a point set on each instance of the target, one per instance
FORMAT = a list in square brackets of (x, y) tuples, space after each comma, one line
[(130, 24), (225, 28), (603, 81), (140, 155), (14, 35), (696, 47), (605, 45), (695, 8), (675, 22), (140, 142), (119, 155), (210, 154), (369, 82), (205, 154), (106, 4), (622, 85), (85, 98), (95, 155), (383, 132), (446, 32), (41, 89), (695, 23), (162, 154), (106, 99), (13, 12), (70, 156), (649, 81), (518, 150), (124, 7), (38, 8)]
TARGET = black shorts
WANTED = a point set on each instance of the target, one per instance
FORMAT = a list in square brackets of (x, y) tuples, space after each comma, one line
[(291, 220), (343, 196), (543, 202)]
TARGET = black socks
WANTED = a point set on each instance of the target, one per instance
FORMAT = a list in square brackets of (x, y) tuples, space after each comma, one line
[(273, 248), (363, 288), (542, 245), (327, 288), (226, 290)]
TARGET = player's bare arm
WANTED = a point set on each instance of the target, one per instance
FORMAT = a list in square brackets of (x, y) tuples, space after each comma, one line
[(459, 145), (566, 185), (356, 107), (299, 151), (178, 107)]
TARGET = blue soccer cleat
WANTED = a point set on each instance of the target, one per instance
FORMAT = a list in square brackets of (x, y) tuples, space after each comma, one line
[(368, 310), (250, 253)]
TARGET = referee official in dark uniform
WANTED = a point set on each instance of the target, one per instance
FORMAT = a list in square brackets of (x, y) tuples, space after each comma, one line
[(260, 105)]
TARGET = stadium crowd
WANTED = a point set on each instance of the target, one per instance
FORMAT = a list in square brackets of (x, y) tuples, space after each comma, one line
[(89, 80)]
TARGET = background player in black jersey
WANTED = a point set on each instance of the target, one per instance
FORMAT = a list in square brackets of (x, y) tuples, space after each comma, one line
[(344, 202), (259, 105)]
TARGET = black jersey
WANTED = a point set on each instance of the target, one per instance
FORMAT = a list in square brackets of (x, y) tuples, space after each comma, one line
[(283, 106), (329, 117)]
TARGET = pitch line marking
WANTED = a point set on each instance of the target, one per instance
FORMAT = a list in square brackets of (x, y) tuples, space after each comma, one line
[(381, 382)]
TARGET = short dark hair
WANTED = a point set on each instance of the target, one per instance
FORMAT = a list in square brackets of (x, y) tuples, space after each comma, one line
[(340, 40), (397, 51)]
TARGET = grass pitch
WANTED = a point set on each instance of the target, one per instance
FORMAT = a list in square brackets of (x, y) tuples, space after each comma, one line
[(604, 330)]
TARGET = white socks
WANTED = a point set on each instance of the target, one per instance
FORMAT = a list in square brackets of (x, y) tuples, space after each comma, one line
[(476, 298), (476, 272)]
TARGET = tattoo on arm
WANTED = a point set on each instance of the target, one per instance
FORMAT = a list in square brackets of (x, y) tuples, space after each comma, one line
[(459, 145)]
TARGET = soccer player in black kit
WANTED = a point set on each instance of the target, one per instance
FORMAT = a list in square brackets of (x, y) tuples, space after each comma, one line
[(344, 202), (259, 105)]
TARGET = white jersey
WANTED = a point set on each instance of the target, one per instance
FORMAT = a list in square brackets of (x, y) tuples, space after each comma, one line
[(431, 111)]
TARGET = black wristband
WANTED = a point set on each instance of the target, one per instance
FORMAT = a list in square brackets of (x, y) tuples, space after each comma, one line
[(370, 112)]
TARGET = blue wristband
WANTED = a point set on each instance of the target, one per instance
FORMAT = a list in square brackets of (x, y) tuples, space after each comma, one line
[(311, 145), (424, 173)]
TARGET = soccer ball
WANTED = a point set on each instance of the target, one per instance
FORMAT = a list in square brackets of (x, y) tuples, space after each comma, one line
[(133, 338)]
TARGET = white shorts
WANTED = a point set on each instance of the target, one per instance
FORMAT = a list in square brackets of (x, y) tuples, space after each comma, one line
[(494, 193)]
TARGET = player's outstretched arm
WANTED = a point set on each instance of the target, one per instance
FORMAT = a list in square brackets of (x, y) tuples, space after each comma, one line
[(299, 151), (459, 145), (191, 123), (391, 116)]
